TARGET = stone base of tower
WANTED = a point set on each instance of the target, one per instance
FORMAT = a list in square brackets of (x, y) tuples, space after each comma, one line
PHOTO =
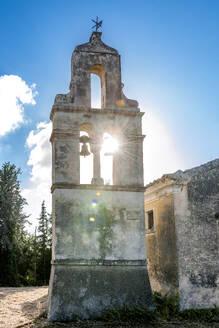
[(99, 258), (86, 291)]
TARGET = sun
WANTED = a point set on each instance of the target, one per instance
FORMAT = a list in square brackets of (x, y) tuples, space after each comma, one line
[(110, 145)]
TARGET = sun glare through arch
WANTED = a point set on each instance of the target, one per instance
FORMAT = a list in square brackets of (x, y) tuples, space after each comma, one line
[(110, 144), (109, 147)]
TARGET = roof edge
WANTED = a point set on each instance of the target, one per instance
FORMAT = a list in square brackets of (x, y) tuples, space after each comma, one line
[(184, 176)]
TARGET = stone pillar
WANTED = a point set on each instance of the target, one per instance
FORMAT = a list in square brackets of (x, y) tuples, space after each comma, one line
[(139, 144), (66, 157), (95, 148), (131, 161), (116, 169), (123, 162)]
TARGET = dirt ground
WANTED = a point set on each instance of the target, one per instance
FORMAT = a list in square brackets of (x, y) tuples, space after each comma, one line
[(44, 324), (23, 308), (21, 305)]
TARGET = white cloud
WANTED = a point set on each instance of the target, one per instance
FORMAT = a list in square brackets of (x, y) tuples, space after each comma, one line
[(14, 93), (161, 154), (40, 160)]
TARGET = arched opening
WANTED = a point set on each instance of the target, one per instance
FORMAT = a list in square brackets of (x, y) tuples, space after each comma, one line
[(108, 151), (95, 91), (98, 88), (86, 162)]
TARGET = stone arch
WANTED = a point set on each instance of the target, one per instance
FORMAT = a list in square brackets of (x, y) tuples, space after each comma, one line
[(87, 127)]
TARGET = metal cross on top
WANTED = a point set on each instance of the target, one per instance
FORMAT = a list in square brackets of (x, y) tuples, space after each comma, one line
[(98, 24)]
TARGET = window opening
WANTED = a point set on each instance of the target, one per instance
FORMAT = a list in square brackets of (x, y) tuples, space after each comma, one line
[(86, 162), (95, 91), (150, 223)]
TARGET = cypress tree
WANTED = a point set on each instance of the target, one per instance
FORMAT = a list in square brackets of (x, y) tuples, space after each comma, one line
[(12, 222), (44, 244)]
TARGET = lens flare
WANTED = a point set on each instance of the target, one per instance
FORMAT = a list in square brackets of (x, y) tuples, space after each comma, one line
[(94, 202), (91, 219), (110, 144)]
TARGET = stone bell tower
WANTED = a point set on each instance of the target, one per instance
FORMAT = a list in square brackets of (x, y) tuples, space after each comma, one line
[(98, 260)]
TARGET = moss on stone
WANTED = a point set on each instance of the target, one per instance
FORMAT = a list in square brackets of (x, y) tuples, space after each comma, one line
[(105, 224)]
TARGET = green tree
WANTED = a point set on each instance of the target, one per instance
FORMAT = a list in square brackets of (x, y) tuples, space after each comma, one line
[(44, 246), (12, 223), (26, 264)]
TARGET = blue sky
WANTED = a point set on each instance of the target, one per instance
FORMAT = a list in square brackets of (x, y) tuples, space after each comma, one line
[(170, 64)]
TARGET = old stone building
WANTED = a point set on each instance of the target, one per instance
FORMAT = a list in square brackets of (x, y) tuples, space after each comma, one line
[(98, 258), (182, 217)]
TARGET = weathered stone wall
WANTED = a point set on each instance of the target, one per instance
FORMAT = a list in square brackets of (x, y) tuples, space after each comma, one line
[(99, 258), (189, 203), (95, 57), (197, 240), (82, 64), (115, 232), (87, 290), (161, 247)]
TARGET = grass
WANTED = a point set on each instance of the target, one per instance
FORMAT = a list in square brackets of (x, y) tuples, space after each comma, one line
[(166, 315), (129, 315), (167, 310)]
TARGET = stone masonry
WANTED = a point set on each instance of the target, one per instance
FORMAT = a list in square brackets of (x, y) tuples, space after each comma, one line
[(98, 258), (182, 218)]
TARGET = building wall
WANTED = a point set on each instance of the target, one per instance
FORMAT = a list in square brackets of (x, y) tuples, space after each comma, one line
[(197, 240), (112, 230), (161, 246), (99, 258)]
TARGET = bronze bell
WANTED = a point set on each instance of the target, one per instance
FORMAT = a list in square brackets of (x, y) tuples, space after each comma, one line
[(84, 150)]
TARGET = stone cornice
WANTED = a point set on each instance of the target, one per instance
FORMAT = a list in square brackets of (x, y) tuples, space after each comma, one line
[(63, 134), (134, 137), (69, 108), (93, 262), (162, 189), (133, 188)]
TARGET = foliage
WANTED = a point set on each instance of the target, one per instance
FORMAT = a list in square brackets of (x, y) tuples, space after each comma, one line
[(44, 246), (129, 315), (167, 309), (12, 222), (201, 315), (24, 258), (105, 223)]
